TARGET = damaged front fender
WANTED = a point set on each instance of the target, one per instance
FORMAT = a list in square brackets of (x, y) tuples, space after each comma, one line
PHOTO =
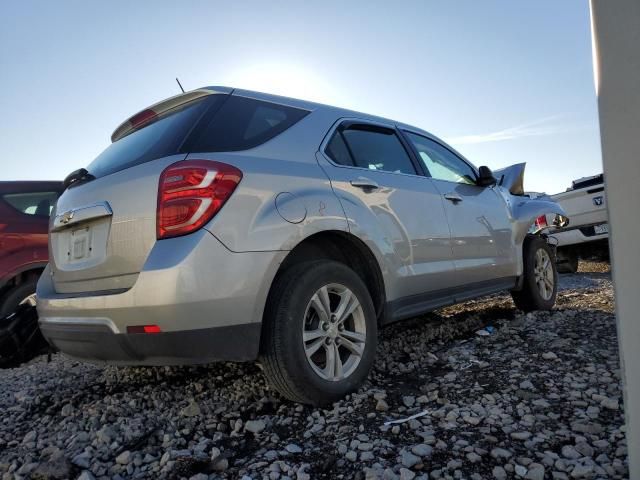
[(525, 211)]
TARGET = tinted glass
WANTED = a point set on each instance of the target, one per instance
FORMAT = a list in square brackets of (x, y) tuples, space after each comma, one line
[(378, 149), (441, 162), (243, 123), (33, 203), (337, 150), (159, 139)]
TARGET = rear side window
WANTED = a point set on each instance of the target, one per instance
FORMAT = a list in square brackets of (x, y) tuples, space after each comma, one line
[(243, 123), (33, 203), (338, 151), (161, 138), (376, 148)]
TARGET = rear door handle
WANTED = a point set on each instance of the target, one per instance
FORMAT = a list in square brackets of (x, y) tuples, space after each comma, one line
[(453, 197), (365, 183)]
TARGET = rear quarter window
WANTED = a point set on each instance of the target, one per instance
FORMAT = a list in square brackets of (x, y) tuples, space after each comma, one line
[(242, 123)]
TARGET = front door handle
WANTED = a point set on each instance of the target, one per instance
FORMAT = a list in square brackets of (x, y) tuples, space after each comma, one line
[(453, 197), (365, 183)]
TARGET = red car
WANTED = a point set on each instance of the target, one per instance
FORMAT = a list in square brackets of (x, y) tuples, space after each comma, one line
[(24, 219)]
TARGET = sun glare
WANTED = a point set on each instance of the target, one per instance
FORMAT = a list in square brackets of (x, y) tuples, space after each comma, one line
[(286, 80)]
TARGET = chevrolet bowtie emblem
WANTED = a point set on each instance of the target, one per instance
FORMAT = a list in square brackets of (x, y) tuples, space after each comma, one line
[(66, 217)]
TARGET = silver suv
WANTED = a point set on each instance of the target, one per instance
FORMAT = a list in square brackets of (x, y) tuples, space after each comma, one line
[(226, 224)]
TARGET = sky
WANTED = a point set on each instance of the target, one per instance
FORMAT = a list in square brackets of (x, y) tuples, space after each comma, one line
[(503, 82)]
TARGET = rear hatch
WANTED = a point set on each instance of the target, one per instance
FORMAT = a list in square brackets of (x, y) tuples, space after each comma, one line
[(108, 220), (105, 223)]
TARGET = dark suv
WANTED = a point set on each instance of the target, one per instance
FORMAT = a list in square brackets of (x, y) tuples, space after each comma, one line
[(24, 221)]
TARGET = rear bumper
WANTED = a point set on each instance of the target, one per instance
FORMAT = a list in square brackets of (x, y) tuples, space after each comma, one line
[(206, 300), (575, 235), (97, 343)]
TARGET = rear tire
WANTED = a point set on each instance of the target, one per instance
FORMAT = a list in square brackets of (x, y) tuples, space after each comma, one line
[(17, 295), (312, 351), (540, 282)]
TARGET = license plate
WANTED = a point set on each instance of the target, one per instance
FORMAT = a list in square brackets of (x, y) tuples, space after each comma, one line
[(80, 244), (600, 229)]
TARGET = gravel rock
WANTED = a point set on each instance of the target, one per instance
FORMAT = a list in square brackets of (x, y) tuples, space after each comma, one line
[(422, 450), (570, 452), (382, 405), (406, 474), (499, 453), (86, 475), (499, 473), (293, 448), (535, 472), (520, 470), (124, 458), (408, 459), (255, 426), (581, 471), (191, 410)]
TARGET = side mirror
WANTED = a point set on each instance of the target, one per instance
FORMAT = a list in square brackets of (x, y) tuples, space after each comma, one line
[(485, 177)]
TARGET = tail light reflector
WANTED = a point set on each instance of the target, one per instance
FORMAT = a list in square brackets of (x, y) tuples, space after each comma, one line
[(190, 193), (143, 329)]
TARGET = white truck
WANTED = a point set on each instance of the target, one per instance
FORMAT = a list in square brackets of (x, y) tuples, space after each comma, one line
[(587, 234)]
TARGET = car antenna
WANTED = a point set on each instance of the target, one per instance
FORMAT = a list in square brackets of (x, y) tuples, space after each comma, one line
[(179, 84)]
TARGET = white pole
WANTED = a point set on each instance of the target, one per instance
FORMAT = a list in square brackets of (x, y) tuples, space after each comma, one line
[(616, 41)]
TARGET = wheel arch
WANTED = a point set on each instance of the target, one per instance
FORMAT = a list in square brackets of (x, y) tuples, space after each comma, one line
[(345, 248), (21, 275)]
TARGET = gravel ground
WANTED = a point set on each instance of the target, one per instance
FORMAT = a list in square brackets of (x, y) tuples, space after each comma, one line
[(540, 397)]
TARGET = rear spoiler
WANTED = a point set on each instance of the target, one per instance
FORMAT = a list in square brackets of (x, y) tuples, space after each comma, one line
[(154, 111)]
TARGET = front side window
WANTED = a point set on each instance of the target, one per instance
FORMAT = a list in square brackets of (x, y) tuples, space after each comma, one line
[(370, 147), (32, 203), (441, 162)]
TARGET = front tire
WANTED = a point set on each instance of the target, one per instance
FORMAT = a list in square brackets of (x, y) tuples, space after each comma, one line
[(540, 282), (319, 333)]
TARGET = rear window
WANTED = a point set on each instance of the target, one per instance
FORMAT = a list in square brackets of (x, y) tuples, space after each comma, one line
[(159, 139), (33, 203), (217, 123), (243, 123)]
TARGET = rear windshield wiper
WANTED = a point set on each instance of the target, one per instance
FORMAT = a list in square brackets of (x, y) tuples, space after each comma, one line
[(77, 177)]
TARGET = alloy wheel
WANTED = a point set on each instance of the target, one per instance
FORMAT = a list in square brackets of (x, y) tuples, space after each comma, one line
[(334, 332), (30, 300), (543, 271)]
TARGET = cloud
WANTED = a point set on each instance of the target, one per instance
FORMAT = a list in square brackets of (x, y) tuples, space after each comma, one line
[(536, 128)]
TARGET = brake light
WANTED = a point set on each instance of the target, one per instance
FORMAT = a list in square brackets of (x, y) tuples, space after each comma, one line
[(142, 118), (190, 193), (541, 222)]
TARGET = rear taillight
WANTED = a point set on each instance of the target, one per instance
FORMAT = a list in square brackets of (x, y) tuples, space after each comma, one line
[(541, 222), (190, 193)]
